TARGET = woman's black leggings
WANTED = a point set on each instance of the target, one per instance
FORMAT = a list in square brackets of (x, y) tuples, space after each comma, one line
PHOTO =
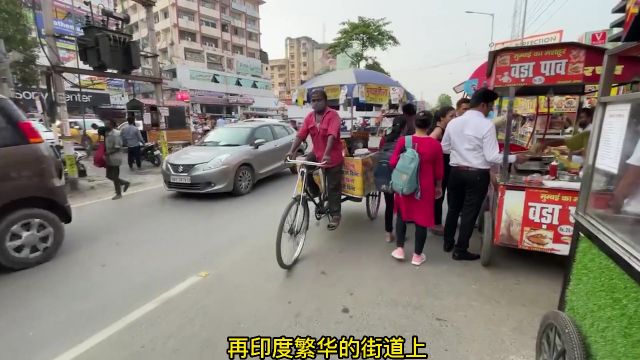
[(401, 234), (388, 212)]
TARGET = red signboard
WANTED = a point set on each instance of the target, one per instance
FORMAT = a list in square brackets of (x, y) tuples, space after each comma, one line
[(547, 224), (599, 37), (631, 15), (539, 66), (536, 219)]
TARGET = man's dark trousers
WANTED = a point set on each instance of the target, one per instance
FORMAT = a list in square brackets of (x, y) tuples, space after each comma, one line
[(334, 186), (134, 154)]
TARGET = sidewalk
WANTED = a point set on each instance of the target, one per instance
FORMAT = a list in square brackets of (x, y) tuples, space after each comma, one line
[(96, 186)]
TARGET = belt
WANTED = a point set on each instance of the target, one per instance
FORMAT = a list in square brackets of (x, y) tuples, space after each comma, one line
[(468, 168)]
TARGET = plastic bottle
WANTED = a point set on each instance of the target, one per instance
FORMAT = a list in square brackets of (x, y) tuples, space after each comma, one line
[(553, 169)]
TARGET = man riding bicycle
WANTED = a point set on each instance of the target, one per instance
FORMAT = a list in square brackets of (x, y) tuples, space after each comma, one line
[(323, 125)]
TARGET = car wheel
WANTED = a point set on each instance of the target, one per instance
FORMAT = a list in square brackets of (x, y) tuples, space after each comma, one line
[(243, 181), (29, 237)]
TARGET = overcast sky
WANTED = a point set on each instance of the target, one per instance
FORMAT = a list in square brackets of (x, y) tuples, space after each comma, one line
[(440, 45)]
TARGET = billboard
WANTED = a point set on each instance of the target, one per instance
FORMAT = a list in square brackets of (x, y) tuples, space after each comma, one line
[(553, 37)]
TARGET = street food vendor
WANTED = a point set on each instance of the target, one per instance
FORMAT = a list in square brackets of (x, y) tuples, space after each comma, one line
[(577, 143), (626, 194)]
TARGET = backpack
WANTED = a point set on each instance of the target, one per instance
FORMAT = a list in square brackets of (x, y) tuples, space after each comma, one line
[(382, 172), (404, 179)]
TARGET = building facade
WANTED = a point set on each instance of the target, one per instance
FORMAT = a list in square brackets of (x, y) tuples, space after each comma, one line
[(304, 59), (211, 48)]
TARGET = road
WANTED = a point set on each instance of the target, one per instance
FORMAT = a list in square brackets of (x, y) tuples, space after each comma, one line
[(102, 296)]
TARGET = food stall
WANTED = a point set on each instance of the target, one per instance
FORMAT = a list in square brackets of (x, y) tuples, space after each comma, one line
[(598, 316), (528, 209)]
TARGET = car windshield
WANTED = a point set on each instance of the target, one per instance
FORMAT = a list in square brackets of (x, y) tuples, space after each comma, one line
[(227, 136)]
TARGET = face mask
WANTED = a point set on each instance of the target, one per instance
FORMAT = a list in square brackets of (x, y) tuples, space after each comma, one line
[(318, 106)]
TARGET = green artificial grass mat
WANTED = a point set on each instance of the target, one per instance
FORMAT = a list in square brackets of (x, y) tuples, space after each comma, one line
[(605, 304)]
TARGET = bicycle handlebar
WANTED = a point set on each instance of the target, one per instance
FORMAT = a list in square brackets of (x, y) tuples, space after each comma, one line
[(304, 162)]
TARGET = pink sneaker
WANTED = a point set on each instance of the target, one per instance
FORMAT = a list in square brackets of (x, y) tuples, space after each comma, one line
[(418, 259), (398, 254)]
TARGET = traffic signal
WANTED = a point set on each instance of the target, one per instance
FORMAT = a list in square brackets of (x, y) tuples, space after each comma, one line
[(107, 49)]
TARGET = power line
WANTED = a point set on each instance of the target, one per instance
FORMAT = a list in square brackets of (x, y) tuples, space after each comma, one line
[(542, 7), (544, 10), (552, 15)]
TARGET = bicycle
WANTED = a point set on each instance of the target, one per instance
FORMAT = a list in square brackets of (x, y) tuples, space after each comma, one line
[(294, 222)]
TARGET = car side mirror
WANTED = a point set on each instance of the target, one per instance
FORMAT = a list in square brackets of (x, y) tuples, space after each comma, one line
[(259, 142)]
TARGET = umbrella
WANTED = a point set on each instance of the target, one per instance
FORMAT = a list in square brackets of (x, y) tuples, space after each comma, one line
[(351, 77), (477, 80)]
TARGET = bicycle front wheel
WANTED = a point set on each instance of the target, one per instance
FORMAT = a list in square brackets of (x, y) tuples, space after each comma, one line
[(292, 232)]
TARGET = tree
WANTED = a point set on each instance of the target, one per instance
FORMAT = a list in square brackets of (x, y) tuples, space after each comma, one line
[(356, 38), (374, 65), (444, 100), (15, 30)]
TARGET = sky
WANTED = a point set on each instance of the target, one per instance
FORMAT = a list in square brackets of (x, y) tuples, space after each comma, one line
[(440, 45)]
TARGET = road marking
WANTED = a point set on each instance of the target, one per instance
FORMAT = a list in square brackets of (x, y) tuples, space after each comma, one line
[(130, 318), (109, 197)]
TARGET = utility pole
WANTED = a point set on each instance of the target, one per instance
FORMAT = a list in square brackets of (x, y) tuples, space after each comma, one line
[(155, 66), (59, 94), (5, 72), (524, 22)]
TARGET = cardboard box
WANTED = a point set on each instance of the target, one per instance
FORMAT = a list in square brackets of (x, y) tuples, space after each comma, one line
[(357, 175)]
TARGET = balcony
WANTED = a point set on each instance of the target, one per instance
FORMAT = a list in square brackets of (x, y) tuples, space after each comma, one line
[(253, 45), (188, 25), (252, 12), (255, 28), (189, 45), (161, 4), (188, 4), (238, 23), (207, 30), (235, 5), (226, 18), (226, 36), (206, 11), (163, 24)]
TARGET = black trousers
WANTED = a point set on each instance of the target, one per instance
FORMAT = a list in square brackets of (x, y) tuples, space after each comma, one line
[(401, 234), (388, 212), (467, 191), (445, 182), (113, 174), (334, 186), (134, 154)]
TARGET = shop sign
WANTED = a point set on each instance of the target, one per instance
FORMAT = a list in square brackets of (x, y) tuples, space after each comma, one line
[(376, 94), (333, 92), (248, 66), (560, 65), (536, 219), (240, 100), (540, 39)]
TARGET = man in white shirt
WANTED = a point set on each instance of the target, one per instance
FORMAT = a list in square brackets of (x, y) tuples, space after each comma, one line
[(472, 143), (626, 196)]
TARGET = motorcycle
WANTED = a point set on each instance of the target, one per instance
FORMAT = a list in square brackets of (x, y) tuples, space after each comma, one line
[(152, 154), (79, 154)]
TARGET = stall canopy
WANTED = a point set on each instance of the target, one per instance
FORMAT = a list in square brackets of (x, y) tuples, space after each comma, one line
[(561, 69), (367, 85), (477, 80)]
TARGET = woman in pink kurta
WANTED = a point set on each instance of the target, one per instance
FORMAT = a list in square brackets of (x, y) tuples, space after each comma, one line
[(431, 171)]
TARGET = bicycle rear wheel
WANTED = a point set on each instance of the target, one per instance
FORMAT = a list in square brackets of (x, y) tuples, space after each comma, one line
[(292, 232)]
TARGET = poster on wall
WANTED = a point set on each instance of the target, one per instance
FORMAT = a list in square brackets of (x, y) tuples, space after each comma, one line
[(614, 128), (536, 219), (376, 94)]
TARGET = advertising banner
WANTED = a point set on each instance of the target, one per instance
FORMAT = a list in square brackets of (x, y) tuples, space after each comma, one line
[(536, 219), (553, 37), (333, 92), (553, 65), (376, 94)]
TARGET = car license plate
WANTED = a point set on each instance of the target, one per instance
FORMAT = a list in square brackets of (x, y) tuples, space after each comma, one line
[(181, 179), (157, 152)]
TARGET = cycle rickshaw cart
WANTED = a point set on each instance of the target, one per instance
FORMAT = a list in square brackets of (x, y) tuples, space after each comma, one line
[(537, 216), (598, 314)]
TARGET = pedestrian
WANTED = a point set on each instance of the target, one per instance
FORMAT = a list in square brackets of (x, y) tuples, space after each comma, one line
[(462, 106), (409, 114), (472, 143), (419, 209), (387, 146), (132, 139), (221, 123), (442, 118), (323, 125), (113, 157)]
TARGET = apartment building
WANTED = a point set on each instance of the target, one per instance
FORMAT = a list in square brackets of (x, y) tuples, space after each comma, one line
[(212, 47), (304, 59)]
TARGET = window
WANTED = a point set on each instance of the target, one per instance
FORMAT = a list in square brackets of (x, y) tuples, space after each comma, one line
[(230, 63), (304, 73), (252, 21), (225, 27), (280, 131), (224, 9), (304, 54), (252, 54), (165, 14), (225, 46), (187, 16), (208, 23), (293, 65), (186, 36), (263, 132), (209, 4), (211, 42), (236, 16), (156, 18), (614, 203), (252, 36), (304, 64), (238, 50)]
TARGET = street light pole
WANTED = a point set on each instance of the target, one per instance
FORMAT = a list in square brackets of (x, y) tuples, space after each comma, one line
[(524, 22), (486, 14)]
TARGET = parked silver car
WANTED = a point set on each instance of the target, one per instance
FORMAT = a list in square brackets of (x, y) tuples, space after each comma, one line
[(229, 159)]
